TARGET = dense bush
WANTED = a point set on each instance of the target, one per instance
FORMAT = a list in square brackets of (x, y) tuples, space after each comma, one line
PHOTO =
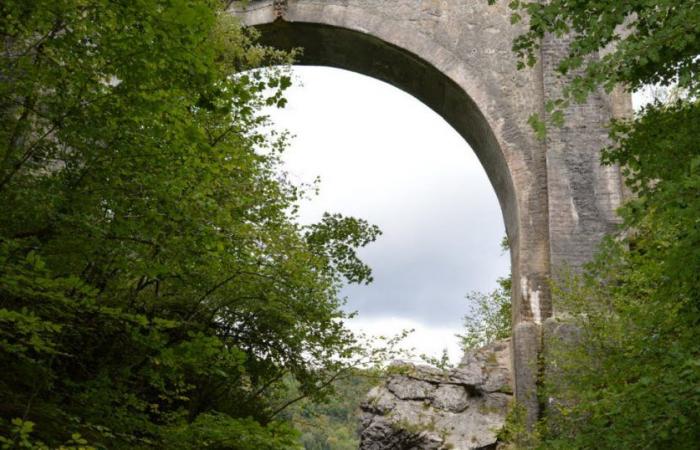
[(155, 290), (629, 376)]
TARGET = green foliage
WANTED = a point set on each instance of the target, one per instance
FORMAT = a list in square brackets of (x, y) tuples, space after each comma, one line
[(515, 434), (629, 379), (442, 362), (489, 318), (334, 425), (337, 238), (20, 437), (221, 431), (633, 44), (155, 289), (626, 374)]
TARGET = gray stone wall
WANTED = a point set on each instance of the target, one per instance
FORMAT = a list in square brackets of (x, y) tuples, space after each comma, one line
[(583, 196)]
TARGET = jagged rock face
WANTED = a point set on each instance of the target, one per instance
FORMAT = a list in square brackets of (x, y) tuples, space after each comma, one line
[(424, 408)]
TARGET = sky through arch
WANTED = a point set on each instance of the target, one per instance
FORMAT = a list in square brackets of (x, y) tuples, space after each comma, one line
[(384, 156)]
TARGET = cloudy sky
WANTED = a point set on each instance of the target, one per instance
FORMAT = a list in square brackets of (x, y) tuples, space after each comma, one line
[(384, 156)]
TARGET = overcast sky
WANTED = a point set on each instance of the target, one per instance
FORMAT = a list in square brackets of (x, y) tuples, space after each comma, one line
[(384, 156)]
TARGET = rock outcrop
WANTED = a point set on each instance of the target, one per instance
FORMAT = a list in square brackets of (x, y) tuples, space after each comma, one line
[(424, 408)]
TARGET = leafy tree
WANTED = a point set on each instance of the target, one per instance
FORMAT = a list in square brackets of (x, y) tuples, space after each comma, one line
[(334, 425), (489, 318), (490, 315), (628, 376), (631, 44), (155, 289)]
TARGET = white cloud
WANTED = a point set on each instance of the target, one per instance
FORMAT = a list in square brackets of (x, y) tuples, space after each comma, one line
[(384, 156), (425, 339)]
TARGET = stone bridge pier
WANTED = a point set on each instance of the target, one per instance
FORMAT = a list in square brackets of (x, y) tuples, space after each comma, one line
[(455, 56)]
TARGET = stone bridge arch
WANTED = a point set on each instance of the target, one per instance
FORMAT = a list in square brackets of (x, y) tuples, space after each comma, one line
[(557, 201)]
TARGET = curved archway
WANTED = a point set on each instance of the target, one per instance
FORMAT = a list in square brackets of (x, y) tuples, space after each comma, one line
[(466, 85), (324, 45), (383, 155), (456, 57)]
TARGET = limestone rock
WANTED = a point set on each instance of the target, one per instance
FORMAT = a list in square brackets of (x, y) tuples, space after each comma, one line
[(492, 363), (424, 408), (407, 388), (451, 397)]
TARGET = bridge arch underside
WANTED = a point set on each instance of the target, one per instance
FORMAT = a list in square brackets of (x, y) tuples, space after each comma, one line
[(324, 45), (511, 158), (524, 214)]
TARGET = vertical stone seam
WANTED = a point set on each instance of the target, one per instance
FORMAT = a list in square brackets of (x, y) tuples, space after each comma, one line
[(544, 148), (548, 147)]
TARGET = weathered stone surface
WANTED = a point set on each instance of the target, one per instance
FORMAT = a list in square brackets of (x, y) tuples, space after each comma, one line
[(492, 364), (380, 434), (450, 397), (526, 340), (407, 388), (421, 407), (380, 401)]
